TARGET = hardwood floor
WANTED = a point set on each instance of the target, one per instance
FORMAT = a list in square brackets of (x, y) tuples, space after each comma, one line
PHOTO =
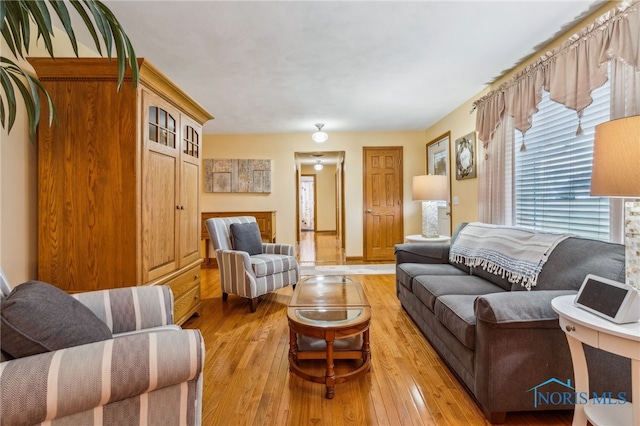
[(247, 379)]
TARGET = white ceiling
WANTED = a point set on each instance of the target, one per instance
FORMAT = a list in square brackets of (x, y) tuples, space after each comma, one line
[(281, 67)]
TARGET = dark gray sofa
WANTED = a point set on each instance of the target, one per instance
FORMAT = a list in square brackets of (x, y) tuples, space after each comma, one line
[(498, 338)]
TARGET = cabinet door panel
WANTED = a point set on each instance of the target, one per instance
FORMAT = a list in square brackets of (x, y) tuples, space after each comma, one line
[(161, 199), (190, 157), (160, 209), (189, 214)]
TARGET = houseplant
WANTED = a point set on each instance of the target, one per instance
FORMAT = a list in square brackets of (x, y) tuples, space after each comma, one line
[(20, 19)]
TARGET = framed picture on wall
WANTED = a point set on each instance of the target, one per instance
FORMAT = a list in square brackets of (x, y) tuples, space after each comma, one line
[(466, 157), (438, 156)]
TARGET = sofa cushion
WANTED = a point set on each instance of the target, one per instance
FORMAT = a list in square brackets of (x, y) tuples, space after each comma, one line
[(406, 272), (456, 312), (496, 279), (269, 264), (246, 237), (38, 317), (584, 256), (429, 287)]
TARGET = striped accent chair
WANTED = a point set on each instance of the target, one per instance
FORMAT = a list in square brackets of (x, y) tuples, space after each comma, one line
[(150, 373), (250, 276)]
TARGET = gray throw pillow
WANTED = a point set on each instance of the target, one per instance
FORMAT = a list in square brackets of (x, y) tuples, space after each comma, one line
[(246, 237), (38, 317)]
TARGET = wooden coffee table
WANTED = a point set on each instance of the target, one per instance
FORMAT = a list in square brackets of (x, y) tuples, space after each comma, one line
[(329, 319)]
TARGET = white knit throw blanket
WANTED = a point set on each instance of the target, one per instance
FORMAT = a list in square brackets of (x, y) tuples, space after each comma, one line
[(515, 253)]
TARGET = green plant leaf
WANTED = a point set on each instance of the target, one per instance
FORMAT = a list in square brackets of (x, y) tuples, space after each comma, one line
[(11, 74), (101, 24), (7, 86), (40, 14), (88, 23), (15, 27), (124, 50), (2, 113), (21, 21), (12, 32), (29, 103), (62, 12)]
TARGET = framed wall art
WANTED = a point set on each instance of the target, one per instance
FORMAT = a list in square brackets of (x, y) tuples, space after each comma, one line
[(237, 175), (466, 157), (438, 156)]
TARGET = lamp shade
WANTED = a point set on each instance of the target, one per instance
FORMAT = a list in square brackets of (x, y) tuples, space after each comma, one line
[(430, 188), (319, 137), (616, 158)]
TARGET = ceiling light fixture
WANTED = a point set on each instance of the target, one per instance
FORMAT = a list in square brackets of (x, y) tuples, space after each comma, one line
[(318, 166), (319, 136)]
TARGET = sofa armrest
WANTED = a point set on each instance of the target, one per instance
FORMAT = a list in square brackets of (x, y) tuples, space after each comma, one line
[(238, 261), (131, 308), (422, 253), (273, 248), (518, 345), (84, 377), (517, 306)]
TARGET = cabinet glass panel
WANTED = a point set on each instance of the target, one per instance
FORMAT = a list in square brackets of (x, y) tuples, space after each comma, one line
[(162, 127), (191, 142)]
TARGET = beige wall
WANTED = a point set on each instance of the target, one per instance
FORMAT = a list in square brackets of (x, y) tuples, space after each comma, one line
[(325, 196), (280, 149)]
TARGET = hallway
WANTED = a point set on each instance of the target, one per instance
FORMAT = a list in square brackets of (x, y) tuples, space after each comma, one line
[(320, 248)]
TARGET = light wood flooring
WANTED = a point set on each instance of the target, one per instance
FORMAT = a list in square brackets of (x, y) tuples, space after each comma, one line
[(247, 379)]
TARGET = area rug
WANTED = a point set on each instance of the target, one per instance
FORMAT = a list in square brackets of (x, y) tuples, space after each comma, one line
[(377, 269)]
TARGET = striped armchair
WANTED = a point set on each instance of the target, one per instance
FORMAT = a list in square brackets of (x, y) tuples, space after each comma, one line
[(250, 276), (149, 373)]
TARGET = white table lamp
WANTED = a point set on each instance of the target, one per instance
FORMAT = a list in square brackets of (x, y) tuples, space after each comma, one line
[(616, 173), (430, 189)]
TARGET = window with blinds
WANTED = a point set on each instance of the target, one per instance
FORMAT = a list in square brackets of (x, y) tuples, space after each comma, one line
[(553, 175)]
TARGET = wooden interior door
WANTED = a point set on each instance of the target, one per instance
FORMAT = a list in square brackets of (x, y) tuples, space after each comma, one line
[(383, 226)]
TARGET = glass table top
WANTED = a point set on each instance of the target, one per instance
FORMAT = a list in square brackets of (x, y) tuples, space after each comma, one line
[(328, 315), (335, 291)]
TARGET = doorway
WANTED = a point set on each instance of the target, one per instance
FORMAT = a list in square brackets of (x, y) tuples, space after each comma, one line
[(307, 203), (320, 206)]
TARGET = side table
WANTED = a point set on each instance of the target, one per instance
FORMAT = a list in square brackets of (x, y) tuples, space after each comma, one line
[(580, 327), (420, 239)]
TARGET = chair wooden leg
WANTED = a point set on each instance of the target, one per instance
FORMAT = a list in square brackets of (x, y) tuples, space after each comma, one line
[(253, 304), (225, 296)]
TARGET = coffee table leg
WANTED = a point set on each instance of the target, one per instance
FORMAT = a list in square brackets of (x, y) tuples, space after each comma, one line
[(293, 346), (366, 349), (330, 380)]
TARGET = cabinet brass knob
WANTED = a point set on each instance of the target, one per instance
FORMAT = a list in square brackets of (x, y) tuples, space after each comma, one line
[(570, 328)]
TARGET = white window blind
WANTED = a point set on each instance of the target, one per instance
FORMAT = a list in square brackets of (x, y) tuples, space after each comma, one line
[(553, 175)]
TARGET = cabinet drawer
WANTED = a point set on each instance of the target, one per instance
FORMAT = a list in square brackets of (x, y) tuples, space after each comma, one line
[(577, 331), (185, 281), (187, 303)]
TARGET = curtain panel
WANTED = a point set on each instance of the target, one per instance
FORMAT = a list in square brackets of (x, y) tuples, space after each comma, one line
[(569, 73)]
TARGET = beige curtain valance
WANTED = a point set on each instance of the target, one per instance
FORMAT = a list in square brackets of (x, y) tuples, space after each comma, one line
[(569, 73)]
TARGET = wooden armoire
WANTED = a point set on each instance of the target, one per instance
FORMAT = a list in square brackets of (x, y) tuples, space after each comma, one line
[(119, 181)]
